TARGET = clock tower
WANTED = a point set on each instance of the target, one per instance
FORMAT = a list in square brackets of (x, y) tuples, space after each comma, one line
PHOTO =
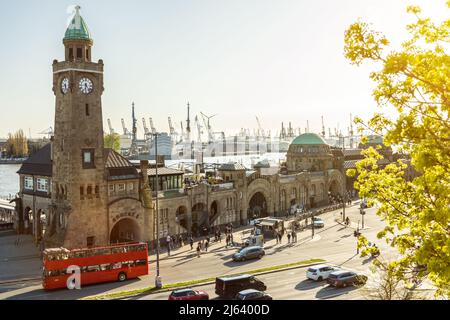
[(79, 197)]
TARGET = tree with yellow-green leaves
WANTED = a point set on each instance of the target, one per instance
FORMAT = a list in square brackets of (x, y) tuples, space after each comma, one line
[(17, 145), (413, 80), (112, 141)]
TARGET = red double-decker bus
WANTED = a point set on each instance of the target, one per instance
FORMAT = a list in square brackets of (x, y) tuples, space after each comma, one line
[(101, 264)]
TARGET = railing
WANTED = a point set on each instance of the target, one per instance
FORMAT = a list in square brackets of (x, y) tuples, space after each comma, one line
[(172, 193), (222, 186)]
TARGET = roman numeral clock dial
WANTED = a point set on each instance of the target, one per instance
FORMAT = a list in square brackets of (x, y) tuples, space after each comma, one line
[(86, 85), (65, 85)]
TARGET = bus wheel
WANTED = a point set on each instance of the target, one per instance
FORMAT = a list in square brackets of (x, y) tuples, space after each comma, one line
[(122, 276)]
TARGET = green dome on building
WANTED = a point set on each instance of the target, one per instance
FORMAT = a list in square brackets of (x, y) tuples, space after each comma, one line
[(77, 29), (308, 138)]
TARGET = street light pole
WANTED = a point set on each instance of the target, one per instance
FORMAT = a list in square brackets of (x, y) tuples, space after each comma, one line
[(344, 199), (158, 283)]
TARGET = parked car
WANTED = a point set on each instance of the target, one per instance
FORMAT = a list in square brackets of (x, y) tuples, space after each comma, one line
[(318, 222), (320, 272), (228, 287), (188, 294), (343, 278), (252, 294), (249, 253)]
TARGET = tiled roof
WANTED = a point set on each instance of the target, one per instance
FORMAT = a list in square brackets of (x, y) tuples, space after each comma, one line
[(232, 166), (163, 171), (352, 152), (351, 164), (115, 160), (39, 163)]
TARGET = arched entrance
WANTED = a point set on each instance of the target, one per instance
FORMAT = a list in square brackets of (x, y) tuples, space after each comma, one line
[(213, 210), (258, 206), (198, 211), (334, 195), (27, 220), (125, 230), (181, 216)]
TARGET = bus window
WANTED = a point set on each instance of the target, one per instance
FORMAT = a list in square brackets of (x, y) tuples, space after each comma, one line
[(93, 268), (141, 262), (117, 265), (105, 266)]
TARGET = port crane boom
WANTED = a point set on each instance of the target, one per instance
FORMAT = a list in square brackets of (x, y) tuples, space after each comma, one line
[(111, 130), (125, 130), (152, 127), (146, 131), (208, 125)]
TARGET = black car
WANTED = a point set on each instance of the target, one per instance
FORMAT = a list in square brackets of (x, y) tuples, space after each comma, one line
[(252, 294), (228, 287)]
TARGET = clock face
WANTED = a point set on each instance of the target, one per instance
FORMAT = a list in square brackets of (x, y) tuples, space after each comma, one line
[(86, 85), (65, 85)]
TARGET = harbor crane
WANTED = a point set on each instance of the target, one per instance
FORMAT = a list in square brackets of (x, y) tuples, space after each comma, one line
[(182, 130), (48, 131), (125, 130), (171, 128), (147, 133), (199, 130), (323, 129), (208, 125), (152, 127), (260, 131), (111, 130)]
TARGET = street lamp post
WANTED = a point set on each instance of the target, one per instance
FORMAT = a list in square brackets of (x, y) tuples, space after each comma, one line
[(158, 283), (362, 212), (344, 199)]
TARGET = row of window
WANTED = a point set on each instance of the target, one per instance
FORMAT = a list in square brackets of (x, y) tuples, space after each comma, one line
[(98, 267), (120, 188), (65, 254), (42, 184)]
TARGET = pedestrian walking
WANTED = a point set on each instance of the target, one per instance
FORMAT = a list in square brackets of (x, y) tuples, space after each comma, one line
[(347, 221), (231, 239), (191, 242), (289, 237), (206, 245), (198, 250), (294, 236), (168, 241), (180, 240)]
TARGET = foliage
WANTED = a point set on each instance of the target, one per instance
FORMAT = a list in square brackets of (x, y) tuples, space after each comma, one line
[(390, 281), (112, 141), (414, 81), (17, 145)]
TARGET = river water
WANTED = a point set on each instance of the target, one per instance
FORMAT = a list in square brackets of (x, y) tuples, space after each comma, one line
[(9, 179)]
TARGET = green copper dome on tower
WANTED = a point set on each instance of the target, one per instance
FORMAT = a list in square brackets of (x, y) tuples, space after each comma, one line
[(77, 29), (308, 138)]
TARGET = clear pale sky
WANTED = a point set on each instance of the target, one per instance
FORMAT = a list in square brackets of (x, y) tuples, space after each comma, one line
[(281, 60)]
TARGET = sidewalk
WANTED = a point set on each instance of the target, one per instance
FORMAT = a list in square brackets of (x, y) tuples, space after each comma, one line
[(215, 247), (19, 257)]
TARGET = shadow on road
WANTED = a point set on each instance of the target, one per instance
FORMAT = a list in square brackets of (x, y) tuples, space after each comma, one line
[(308, 284), (330, 292), (66, 294), (233, 264)]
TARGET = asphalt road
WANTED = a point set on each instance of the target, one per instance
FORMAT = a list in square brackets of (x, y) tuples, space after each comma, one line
[(334, 243), (285, 285)]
